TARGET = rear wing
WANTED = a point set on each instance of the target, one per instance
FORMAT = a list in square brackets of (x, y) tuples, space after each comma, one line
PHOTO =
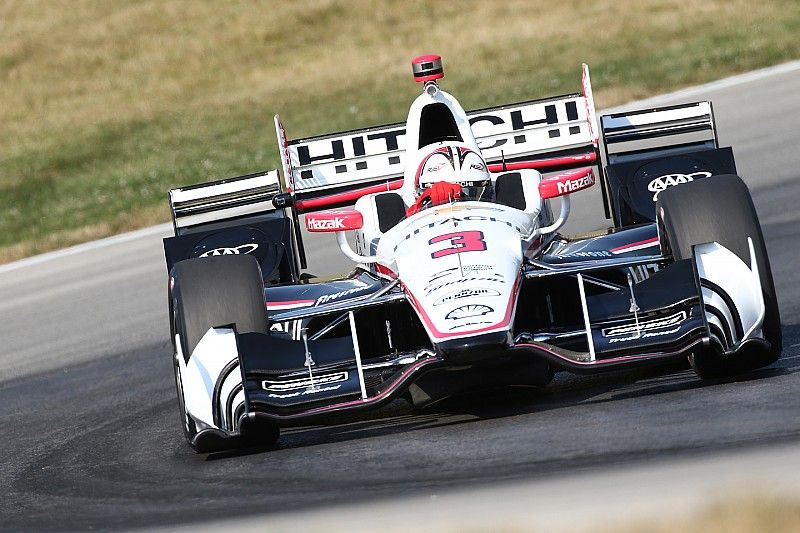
[(651, 149), (255, 200), (549, 134), (196, 207), (660, 131)]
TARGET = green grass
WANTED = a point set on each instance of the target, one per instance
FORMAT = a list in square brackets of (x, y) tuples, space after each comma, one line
[(105, 105)]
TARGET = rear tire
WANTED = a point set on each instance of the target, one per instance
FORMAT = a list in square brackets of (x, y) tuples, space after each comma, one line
[(211, 292), (720, 209)]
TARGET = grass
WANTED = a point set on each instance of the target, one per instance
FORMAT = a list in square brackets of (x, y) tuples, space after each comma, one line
[(740, 514), (105, 105)]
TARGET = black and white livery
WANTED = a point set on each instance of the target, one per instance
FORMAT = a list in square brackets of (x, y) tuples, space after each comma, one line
[(461, 279)]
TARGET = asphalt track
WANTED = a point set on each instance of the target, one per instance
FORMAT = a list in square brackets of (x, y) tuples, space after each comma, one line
[(90, 431)]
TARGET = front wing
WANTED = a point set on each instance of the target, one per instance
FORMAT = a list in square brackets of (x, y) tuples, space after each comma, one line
[(232, 380)]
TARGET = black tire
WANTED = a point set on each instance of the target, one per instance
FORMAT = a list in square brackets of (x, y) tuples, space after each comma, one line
[(719, 208), (209, 292), (187, 423), (215, 291)]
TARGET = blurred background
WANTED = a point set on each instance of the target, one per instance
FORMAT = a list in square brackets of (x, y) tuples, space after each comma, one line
[(105, 105)]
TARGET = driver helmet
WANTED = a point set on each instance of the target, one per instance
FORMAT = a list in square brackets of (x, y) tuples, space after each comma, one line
[(454, 164)]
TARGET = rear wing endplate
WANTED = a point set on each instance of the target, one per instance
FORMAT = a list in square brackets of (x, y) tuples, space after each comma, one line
[(658, 132), (196, 206)]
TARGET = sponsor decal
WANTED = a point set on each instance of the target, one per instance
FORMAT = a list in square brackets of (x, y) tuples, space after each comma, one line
[(305, 383), (445, 273), (466, 293), (324, 223), (435, 288), (444, 152), (334, 220), (469, 269), (290, 329), (232, 250), (469, 183), (670, 180), (315, 390), (595, 253), (477, 166), (325, 298), (568, 186), (493, 129), (658, 323), (442, 273), (643, 335), (566, 183), (467, 324), (279, 327), (334, 150), (468, 311)]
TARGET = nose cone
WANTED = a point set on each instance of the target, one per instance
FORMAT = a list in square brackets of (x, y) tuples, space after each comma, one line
[(476, 349), (460, 268)]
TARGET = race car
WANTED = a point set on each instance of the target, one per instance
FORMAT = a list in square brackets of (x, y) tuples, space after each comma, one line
[(461, 280)]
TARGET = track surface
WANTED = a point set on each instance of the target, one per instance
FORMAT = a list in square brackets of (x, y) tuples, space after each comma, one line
[(91, 436)]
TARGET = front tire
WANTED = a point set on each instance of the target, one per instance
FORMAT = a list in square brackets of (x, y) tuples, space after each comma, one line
[(211, 292), (720, 209)]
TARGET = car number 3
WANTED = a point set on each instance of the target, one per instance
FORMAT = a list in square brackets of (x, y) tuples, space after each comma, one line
[(463, 241)]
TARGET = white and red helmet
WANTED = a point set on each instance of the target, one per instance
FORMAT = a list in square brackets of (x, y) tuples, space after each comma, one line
[(453, 163)]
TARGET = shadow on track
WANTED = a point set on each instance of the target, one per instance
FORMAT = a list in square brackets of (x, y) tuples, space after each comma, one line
[(111, 453), (566, 391)]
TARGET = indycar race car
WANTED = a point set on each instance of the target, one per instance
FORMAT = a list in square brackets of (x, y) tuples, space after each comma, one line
[(461, 279)]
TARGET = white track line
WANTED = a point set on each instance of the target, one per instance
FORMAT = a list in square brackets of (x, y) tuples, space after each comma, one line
[(732, 81), (87, 246)]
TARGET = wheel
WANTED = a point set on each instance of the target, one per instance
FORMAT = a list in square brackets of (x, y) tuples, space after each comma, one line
[(214, 291), (187, 422), (720, 209), (208, 292)]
